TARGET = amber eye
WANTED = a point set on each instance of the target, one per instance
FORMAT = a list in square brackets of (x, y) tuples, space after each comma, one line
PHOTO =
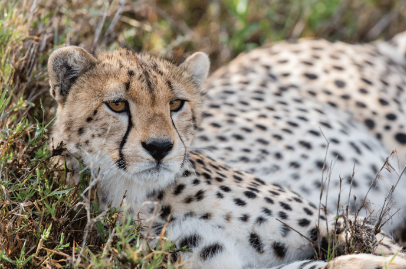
[(117, 106), (176, 105)]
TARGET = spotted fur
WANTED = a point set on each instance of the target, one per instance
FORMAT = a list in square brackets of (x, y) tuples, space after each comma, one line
[(276, 112), (228, 218)]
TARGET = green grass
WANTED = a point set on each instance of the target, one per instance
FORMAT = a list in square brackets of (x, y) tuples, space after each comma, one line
[(42, 218)]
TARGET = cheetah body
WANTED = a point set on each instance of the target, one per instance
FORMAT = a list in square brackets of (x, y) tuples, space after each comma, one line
[(286, 111), (115, 114)]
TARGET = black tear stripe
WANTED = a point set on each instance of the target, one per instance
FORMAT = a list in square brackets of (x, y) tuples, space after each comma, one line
[(185, 153), (121, 163)]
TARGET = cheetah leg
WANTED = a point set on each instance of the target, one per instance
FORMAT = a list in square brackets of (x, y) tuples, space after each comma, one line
[(308, 264), (211, 247), (354, 261), (385, 244), (366, 261)]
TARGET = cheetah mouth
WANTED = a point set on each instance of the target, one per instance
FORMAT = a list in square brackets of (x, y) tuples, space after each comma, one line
[(155, 168)]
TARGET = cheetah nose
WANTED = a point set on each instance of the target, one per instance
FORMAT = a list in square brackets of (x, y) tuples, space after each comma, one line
[(158, 149)]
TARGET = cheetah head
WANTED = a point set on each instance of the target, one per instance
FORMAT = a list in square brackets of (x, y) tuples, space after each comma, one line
[(126, 114)]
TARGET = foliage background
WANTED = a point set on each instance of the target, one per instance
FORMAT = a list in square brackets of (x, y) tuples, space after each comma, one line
[(42, 219)]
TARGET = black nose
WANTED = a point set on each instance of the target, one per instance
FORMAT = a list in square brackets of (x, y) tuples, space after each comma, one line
[(158, 149)]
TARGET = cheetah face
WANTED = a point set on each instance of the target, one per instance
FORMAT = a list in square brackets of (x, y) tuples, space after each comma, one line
[(126, 113)]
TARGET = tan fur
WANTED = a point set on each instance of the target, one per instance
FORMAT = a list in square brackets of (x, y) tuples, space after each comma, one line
[(146, 83)]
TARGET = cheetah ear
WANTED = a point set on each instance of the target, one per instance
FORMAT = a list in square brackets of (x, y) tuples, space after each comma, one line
[(65, 65), (197, 65)]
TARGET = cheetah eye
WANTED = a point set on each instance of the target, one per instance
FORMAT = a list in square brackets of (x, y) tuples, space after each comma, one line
[(117, 106), (176, 105)]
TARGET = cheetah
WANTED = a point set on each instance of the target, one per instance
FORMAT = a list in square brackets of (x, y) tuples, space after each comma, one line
[(132, 119), (276, 112)]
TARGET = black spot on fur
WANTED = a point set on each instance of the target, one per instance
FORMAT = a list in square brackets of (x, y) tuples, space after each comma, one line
[(127, 85), (269, 200), (337, 155), (285, 230), (256, 243), (339, 83), (294, 164), (282, 215), (179, 189), (267, 211), (211, 251), (206, 216), (274, 193), (165, 211), (189, 215), (148, 81), (401, 138), (239, 179), (308, 211), (225, 188), (315, 133), (310, 76), (259, 181), (305, 144), (326, 124), (160, 195), (355, 147), (89, 119), (244, 217), (199, 195), (366, 81), (191, 241), (188, 199), (383, 102), (280, 249), (239, 202), (219, 179), (250, 194), (186, 173), (304, 222), (81, 131), (313, 235), (391, 116), (285, 206), (206, 176), (360, 104), (169, 84), (260, 220)]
